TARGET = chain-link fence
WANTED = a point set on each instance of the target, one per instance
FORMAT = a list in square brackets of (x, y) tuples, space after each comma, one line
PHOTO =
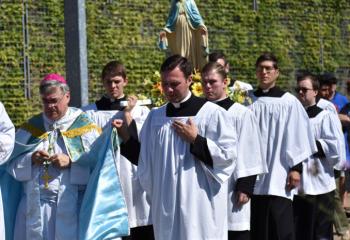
[(310, 35)]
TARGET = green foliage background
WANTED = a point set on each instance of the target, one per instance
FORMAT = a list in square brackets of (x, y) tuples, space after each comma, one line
[(310, 34)]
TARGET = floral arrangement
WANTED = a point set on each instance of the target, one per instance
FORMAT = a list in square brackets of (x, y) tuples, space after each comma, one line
[(237, 94), (196, 87), (154, 89)]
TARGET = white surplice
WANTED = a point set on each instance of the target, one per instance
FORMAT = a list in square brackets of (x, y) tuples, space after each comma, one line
[(135, 196), (318, 174), (287, 141), (188, 198), (7, 135), (7, 140), (249, 162), (329, 106), (326, 105)]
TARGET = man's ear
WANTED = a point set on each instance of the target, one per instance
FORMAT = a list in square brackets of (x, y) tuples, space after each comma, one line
[(189, 80), (277, 72)]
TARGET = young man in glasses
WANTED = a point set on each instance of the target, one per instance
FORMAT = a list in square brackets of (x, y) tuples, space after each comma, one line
[(314, 204), (287, 142)]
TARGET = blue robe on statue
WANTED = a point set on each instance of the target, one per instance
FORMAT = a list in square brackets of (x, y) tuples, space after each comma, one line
[(192, 14)]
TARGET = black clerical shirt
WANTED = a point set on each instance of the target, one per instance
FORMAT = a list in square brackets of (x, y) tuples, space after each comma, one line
[(272, 92), (188, 108), (312, 112), (107, 104)]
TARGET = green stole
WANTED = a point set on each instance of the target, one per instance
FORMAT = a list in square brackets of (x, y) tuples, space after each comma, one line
[(71, 137)]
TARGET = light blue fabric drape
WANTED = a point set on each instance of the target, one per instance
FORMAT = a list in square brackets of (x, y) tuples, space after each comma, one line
[(11, 190), (192, 14), (103, 213), (11, 195)]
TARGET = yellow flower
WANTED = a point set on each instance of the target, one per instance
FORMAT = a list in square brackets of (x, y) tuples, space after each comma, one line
[(141, 97), (158, 86), (240, 98), (239, 95), (196, 77), (156, 74), (197, 89)]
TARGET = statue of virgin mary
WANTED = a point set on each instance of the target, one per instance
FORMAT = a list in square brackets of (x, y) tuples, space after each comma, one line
[(185, 33)]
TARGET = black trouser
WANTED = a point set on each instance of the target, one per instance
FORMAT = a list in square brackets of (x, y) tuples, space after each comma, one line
[(141, 233), (238, 235), (271, 218), (313, 216)]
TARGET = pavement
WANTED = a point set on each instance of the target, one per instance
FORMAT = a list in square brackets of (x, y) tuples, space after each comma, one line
[(347, 211)]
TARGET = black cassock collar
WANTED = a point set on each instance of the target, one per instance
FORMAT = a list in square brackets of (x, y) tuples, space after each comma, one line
[(106, 103), (188, 108), (226, 103), (313, 111), (272, 92)]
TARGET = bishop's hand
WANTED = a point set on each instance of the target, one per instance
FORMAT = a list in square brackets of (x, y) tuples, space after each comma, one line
[(60, 160), (38, 157), (187, 131)]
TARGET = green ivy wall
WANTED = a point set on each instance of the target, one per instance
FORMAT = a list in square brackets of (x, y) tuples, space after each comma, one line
[(311, 34)]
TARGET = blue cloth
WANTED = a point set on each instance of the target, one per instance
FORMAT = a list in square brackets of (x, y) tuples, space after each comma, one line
[(346, 110), (11, 195), (11, 190), (103, 213), (192, 14), (339, 100)]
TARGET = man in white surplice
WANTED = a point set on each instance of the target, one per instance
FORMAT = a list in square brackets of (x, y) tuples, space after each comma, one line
[(288, 141), (250, 162), (314, 205), (53, 183), (112, 106), (186, 157), (7, 140)]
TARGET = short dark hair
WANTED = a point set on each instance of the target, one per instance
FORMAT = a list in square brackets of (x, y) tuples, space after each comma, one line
[(112, 69), (308, 75), (177, 61), (218, 68), (214, 56), (267, 56), (328, 79)]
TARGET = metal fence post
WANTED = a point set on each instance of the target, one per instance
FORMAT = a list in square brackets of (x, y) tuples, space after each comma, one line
[(76, 51)]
